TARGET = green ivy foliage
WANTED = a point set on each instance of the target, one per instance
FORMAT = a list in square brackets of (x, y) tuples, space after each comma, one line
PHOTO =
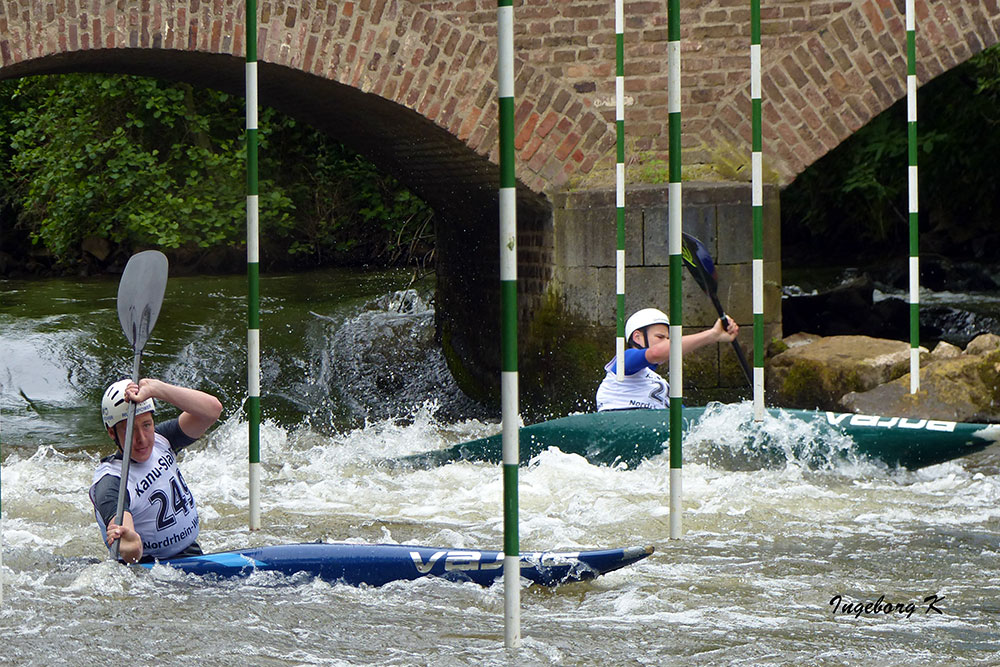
[(145, 162), (852, 203)]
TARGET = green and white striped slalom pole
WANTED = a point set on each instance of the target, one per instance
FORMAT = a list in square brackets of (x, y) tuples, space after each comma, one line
[(253, 266), (674, 236), (911, 131), (620, 185), (508, 337), (757, 203), (1, 532)]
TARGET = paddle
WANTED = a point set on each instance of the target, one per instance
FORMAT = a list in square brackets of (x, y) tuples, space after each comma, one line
[(697, 258), (140, 295)]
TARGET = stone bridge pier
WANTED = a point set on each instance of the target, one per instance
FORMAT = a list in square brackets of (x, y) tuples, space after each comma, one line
[(566, 290)]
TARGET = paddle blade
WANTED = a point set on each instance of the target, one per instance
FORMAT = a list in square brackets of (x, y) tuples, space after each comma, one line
[(697, 258), (140, 295)]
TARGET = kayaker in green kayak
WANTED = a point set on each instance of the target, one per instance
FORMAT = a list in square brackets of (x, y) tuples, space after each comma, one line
[(647, 336)]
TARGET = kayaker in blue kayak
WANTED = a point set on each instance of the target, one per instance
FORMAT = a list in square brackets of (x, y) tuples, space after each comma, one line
[(160, 519), (647, 342)]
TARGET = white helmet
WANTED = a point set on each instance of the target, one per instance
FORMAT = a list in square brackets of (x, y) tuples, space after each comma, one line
[(644, 318), (114, 405)]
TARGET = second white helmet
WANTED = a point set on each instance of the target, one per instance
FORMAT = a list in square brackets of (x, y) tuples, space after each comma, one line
[(114, 405)]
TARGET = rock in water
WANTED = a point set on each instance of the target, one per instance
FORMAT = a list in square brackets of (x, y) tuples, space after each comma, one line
[(962, 388), (817, 374)]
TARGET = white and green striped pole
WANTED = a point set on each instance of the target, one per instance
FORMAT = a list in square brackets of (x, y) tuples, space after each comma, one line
[(911, 131), (676, 265), (620, 185), (757, 204), (508, 337), (253, 266), (1, 532)]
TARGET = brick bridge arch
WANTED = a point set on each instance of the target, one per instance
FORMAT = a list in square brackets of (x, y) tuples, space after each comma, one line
[(411, 82), (830, 67), (412, 91), (400, 83)]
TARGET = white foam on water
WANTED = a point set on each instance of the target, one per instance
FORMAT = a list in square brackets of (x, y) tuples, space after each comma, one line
[(752, 538), (767, 540), (728, 436), (563, 498), (105, 578), (18, 533), (928, 296)]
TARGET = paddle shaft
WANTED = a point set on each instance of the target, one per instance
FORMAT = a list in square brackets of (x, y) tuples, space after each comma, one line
[(126, 454), (707, 283), (140, 295), (736, 346)]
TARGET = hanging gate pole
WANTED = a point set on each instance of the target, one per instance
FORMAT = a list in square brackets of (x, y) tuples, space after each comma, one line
[(757, 203), (620, 186), (911, 133), (676, 263), (508, 337), (253, 266)]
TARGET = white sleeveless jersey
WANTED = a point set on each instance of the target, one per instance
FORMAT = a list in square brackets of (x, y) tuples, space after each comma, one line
[(161, 504), (643, 389)]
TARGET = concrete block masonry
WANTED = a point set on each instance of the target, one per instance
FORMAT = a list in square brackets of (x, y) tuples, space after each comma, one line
[(719, 214), (566, 291)]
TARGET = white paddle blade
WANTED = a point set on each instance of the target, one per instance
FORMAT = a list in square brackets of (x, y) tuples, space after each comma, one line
[(140, 295)]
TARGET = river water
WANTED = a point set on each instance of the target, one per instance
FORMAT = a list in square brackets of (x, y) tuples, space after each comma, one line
[(769, 570)]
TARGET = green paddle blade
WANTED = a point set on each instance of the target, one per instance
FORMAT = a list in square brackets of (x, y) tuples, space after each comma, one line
[(140, 295)]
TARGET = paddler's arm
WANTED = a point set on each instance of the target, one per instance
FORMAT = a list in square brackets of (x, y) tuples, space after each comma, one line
[(717, 334), (659, 351), (105, 498), (130, 548), (198, 409)]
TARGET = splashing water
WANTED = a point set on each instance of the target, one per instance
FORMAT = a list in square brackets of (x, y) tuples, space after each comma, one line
[(384, 360), (766, 545), (727, 436)]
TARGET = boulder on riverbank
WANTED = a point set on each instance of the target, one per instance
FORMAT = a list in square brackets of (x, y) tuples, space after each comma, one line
[(963, 387), (845, 310), (871, 376), (817, 373)]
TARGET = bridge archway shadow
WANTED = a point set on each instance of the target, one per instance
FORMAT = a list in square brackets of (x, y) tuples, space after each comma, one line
[(457, 182)]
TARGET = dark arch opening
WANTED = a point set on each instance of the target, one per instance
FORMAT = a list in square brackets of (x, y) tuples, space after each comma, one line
[(458, 183)]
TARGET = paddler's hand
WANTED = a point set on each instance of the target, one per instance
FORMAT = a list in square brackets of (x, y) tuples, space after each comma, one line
[(132, 393), (147, 388), (130, 547), (726, 334)]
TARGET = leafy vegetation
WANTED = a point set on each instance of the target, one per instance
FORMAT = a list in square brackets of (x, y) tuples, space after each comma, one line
[(855, 198), (144, 162), (138, 161)]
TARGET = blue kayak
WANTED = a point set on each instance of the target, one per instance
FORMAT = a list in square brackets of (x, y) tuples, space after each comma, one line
[(378, 564)]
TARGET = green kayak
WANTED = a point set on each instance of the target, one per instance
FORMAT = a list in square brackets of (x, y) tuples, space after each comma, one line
[(728, 436)]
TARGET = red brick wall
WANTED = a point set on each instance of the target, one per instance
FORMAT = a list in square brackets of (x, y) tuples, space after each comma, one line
[(829, 66)]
